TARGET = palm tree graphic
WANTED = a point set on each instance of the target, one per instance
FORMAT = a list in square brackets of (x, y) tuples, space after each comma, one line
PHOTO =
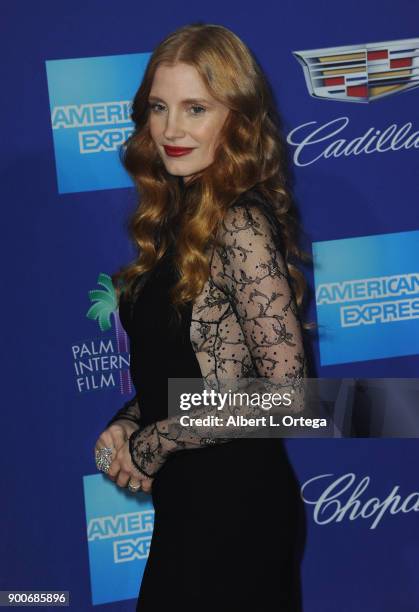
[(104, 305)]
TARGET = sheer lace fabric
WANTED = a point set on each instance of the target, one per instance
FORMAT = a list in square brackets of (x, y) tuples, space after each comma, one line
[(245, 325), (129, 411)]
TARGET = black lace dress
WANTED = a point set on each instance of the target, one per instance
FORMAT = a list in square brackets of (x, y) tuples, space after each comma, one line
[(226, 514)]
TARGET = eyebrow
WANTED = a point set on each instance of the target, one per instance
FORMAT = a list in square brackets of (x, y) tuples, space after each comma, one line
[(187, 101)]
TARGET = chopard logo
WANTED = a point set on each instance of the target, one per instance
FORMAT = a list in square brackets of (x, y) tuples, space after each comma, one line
[(319, 142), (338, 502)]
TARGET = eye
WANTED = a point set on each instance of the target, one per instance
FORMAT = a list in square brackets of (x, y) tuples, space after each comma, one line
[(157, 107), (153, 106), (200, 108)]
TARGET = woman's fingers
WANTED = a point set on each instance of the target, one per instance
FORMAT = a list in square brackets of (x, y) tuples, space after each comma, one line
[(144, 482), (118, 435), (105, 440), (114, 439), (134, 485), (121, 469), (146, 485), (104, 452), (133, 477), (122, 479), (128, 473)]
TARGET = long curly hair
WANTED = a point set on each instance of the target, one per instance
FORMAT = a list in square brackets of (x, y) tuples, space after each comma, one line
[(251, 154)]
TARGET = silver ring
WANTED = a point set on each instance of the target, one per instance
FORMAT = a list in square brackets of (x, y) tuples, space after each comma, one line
[(132, 488), (104, 458)]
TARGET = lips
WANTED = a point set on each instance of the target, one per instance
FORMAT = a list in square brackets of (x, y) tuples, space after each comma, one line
[(177, 151)]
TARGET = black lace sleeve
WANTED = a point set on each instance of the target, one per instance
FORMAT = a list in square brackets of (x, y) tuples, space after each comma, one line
[(252, 272), (129, 411), (255, 277)]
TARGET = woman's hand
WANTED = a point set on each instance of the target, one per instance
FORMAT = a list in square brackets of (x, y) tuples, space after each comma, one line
[(121, 470), (116, 434)]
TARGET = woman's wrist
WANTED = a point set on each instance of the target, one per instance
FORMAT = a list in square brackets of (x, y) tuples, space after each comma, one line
[(149, 450)]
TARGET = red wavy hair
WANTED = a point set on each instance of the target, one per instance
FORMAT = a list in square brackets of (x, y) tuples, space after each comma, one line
[(251, 154)]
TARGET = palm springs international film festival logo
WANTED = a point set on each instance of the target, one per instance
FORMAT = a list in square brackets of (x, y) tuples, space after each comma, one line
[(367, 297), (90, 102), (103, 362), (361, 73)]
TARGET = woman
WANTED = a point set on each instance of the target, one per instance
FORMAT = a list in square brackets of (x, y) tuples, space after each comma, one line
[(212, 294)]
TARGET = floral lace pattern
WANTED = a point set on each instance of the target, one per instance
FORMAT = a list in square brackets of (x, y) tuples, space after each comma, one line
[(129, 411), (245, 324)]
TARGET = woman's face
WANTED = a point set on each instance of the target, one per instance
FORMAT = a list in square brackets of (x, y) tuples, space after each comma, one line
[(184, 114)]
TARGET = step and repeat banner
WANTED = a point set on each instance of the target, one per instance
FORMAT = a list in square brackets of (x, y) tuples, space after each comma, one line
[(346, 81)]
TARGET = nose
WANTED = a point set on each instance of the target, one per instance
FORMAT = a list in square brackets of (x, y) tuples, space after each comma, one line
[(173, 128)]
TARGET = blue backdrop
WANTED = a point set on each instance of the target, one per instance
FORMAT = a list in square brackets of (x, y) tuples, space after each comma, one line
[(69, 72)]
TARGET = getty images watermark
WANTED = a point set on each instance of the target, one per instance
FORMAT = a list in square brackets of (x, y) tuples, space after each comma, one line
[(310, 407)]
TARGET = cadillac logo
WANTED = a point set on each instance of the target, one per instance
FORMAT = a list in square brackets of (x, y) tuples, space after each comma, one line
[(361, 73)]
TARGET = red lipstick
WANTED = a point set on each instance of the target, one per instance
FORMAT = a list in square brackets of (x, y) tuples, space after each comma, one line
[(177, 151)]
